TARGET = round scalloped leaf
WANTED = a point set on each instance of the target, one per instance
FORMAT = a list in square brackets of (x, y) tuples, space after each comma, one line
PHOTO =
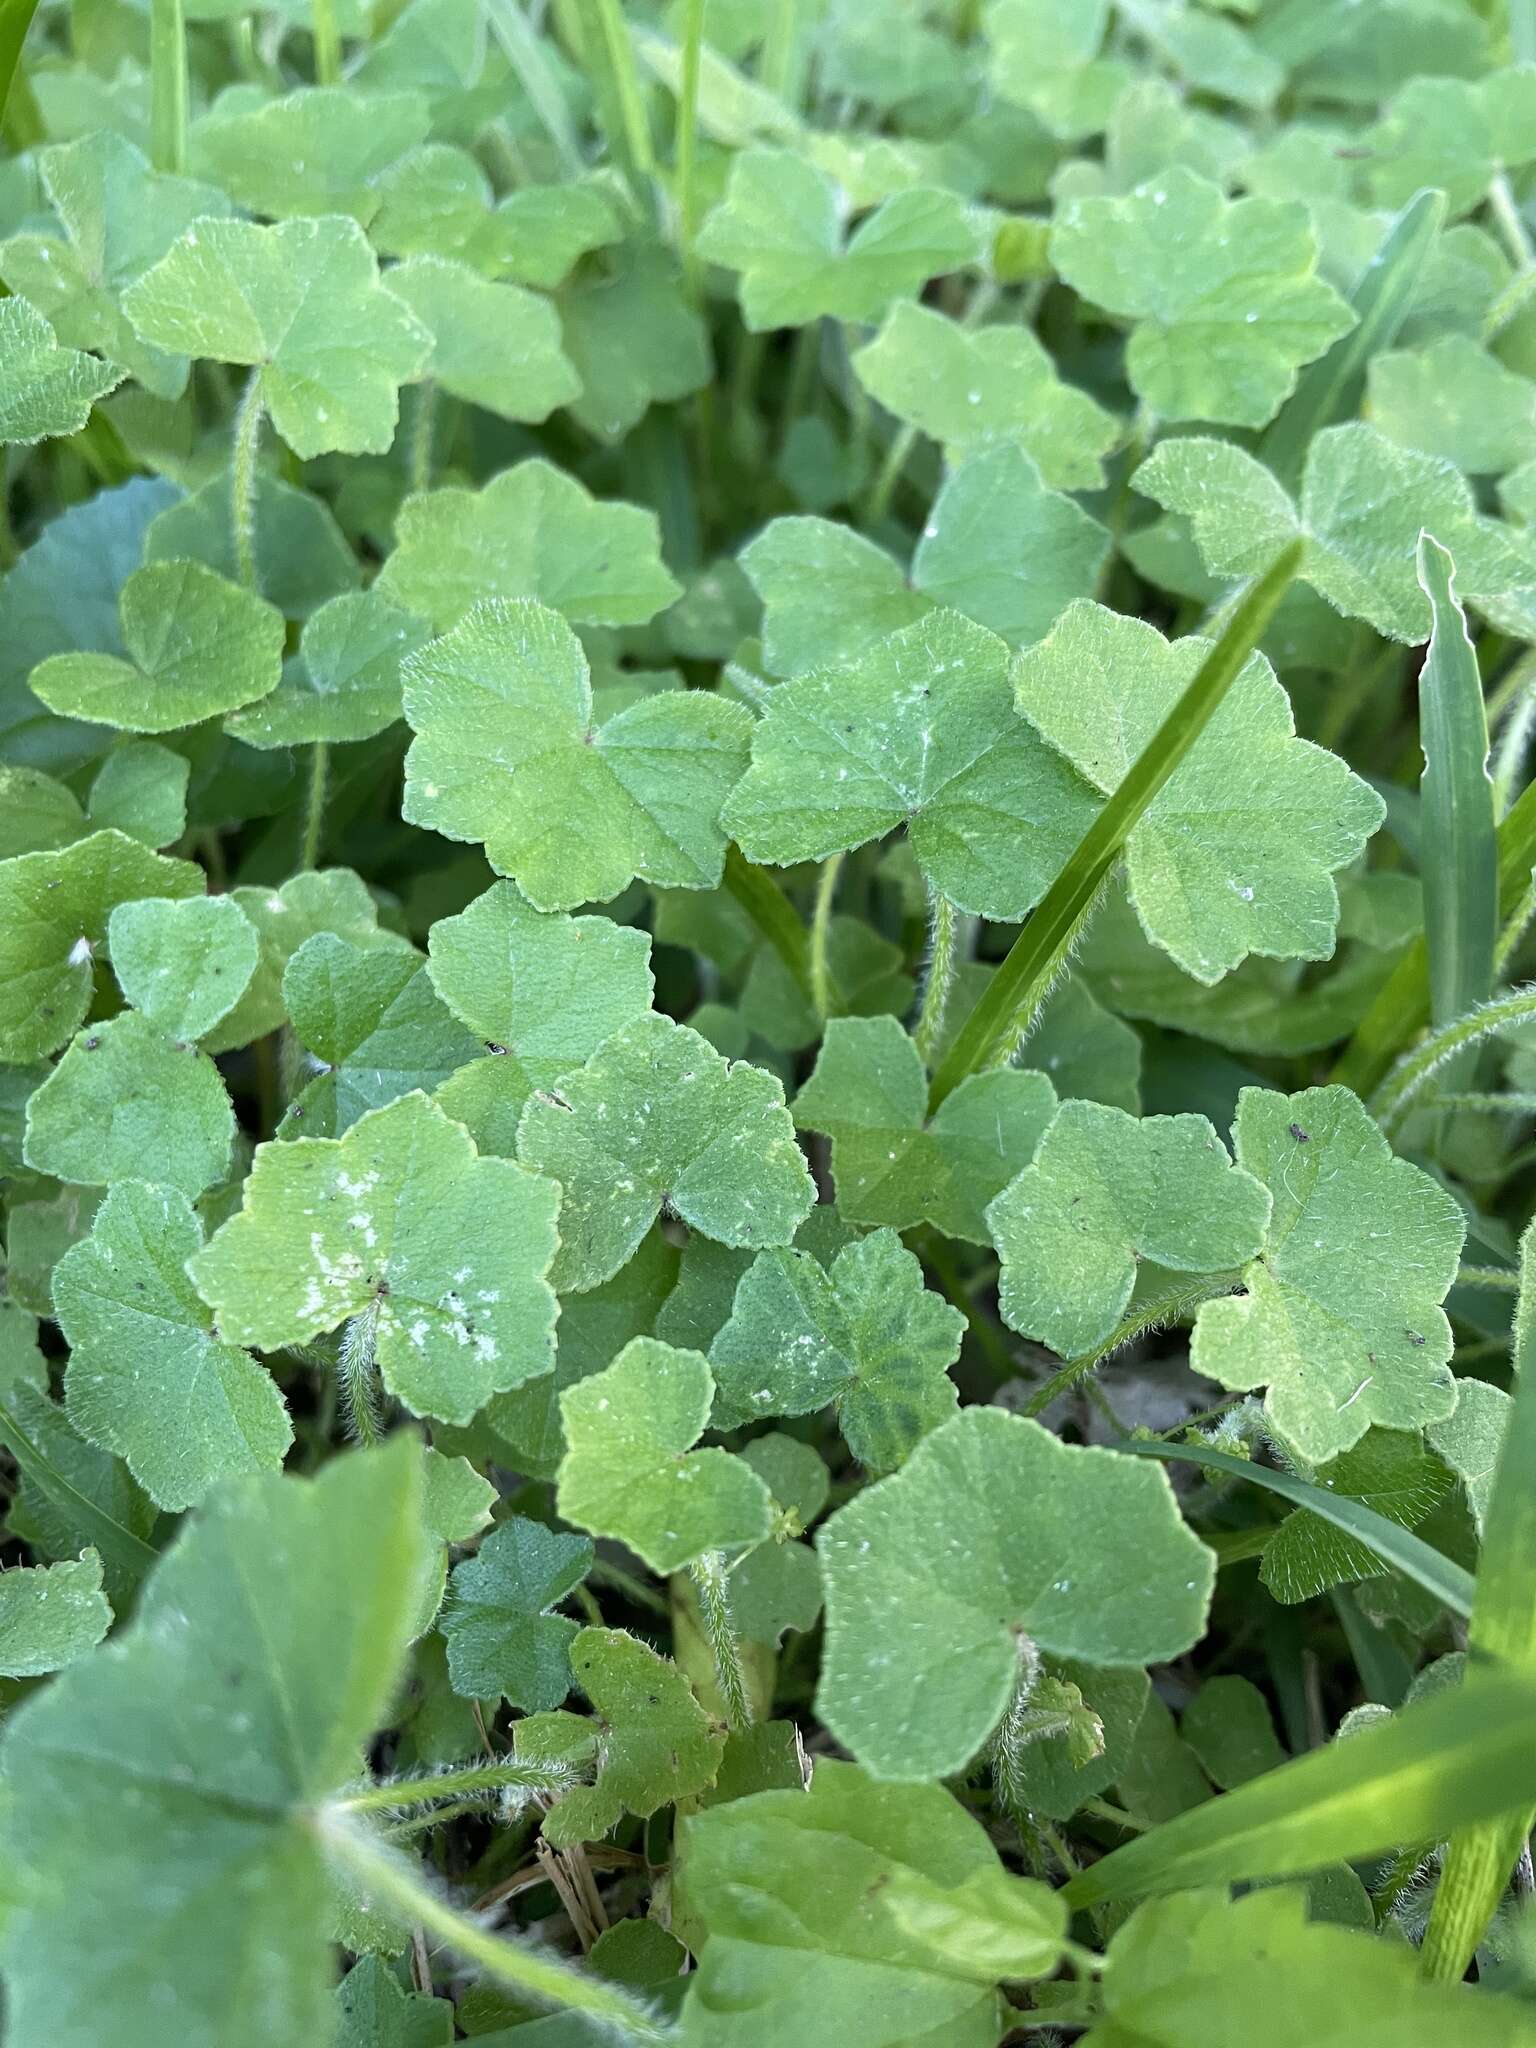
[(148, 1379), (197, 646), (447, 1253), (993, 1529), (508, 751), (657, 1120), (45, 390), (183, 963)]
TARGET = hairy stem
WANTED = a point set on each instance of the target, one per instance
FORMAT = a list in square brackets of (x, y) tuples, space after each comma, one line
[(1392, 1099), (327, 39), (708, 1575), (167, 87), (357, 1377), (821, 935), (242, 479), (943, 957), (314, 804), (506, 1774), (384, 1875), (423, 433), (1168, 1308)]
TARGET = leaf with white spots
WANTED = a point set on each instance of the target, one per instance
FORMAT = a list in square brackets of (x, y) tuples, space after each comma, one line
[(403, 1222), (503, 1640), (51, 1615), (657, 1120)]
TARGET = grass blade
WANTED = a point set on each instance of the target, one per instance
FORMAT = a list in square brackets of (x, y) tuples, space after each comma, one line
[(1016, 991), (1464, 1756), (1395, 1546), (1330, 389), (774, 915), (15, 20), (1460, 859), (1503, 1631), (1401, 1010)]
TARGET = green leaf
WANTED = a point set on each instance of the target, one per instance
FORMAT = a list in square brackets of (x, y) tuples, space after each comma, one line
[(508, 749), (437, 201), (1389, 1472), (920, 731), (1469, 1440), (278, 298), (894, 1164), (72, 1495), (630, 1471), (544, 989), (1057, 1772), (311, 152), (197, 646), (374, 2011), (344, 684), (777, 1586), (632, 336), (828, 593), (657, 1120), (127, 1102), (1452, 132), (283, 1611), (1204, 1970), (782, 224), (1364, 503), (1104, 1192), (503, 1641), (1228, 1726), (1343, 1325), (141, 789), (332, 900), (532, 531), (972, 391), (1045, 56), (445, 1251), (149, 1379), (1224, 294), (373, 1023), (655, 1743), (118, 217), (50, 1616), (873, 1914), (37, 814), (865, 1336), (1453, 1759), (46, 390), (184, 963), (992, 1530), (1237, 853), (1455, 400), (494, 345), (1004, 550)]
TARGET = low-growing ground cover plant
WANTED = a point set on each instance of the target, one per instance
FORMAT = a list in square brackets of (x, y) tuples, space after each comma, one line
[(766, 1087)]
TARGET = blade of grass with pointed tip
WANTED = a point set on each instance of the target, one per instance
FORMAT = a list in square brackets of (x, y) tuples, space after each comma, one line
[(1330, 389), (1395, 1546), (15, 20), (1015, 992), (1459, 858), (1503, 1630), (1401, 1010), (1464, 1756)]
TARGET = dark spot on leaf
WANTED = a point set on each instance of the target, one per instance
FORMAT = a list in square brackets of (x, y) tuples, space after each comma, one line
[(1302, 1137), (1413, 1337), (91, 1044)]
